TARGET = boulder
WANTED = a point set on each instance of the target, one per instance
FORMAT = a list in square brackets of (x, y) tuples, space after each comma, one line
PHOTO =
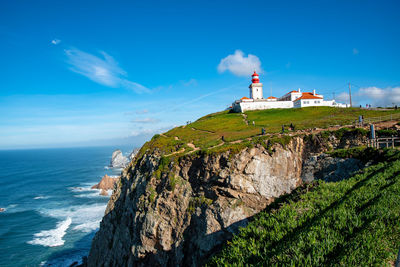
[(106, 183)]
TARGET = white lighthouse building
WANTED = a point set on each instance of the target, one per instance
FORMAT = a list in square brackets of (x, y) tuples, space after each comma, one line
[(293, 99), (256, 91)]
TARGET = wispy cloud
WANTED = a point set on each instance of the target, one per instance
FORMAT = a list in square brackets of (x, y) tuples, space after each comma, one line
[(143, 111), (379, 96), (374, 96), (146, 120), (343, 98), (239, 64), (139, 132), (196, 99), (101, 69), (191, 82), (55, 41)]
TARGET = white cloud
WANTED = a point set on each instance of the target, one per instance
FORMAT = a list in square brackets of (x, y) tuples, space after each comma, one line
[(55, 41), (375, 96), (239, 64), (139, 132), (379, 96), (103, 70), (146, 120), (355, 51), (144, 111)]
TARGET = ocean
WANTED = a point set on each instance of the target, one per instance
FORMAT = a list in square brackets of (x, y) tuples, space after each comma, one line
[(51, 214)]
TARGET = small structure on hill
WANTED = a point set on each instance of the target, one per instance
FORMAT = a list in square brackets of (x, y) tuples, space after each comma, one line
[(293, 99)]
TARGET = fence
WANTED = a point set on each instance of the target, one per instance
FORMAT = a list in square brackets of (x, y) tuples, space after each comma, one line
[(384, 142), (381, 118)]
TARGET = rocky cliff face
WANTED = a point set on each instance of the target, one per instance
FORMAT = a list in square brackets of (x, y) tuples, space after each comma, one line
[(182, 216), (179, 213)]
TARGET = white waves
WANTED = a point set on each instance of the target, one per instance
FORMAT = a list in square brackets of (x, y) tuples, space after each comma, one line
[(41, 197), (85, 218), (54, 237)]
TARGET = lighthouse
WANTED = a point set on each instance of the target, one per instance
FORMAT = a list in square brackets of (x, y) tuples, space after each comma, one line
[(255, 87)]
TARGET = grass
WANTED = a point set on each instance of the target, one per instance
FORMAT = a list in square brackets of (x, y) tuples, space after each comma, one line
[(354, 222), (207, 132)]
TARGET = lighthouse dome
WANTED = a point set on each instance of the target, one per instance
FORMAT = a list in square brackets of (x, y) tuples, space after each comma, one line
[(255, 78)]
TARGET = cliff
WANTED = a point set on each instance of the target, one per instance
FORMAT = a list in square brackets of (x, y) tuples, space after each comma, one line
[(180, 211)]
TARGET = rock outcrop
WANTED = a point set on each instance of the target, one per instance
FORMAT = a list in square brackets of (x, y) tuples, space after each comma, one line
[(329, 169), (118, 160), (133, 154), (106, 183), (181, 217), (170, 211)]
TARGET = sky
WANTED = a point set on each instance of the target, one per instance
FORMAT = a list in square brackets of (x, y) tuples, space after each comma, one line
[(85, 73)]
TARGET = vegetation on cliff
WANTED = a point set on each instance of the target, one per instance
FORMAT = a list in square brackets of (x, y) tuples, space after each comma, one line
[(224, 131), (353, 222)]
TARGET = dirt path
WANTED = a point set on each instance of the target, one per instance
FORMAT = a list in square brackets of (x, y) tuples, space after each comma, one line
[(176, 152), (221, 144), (385, 124), (192, 146), (245, 119), (206, 131)]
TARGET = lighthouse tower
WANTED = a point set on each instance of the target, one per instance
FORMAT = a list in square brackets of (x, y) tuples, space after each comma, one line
[(256, 87)]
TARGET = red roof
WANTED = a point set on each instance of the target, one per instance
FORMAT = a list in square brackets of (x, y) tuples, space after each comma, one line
[(292, 92), (244, 98), (308, 96), (272, 97), (255, 74)]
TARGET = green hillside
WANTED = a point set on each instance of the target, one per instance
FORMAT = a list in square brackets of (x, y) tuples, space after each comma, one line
[(355, 222), (206, 133)]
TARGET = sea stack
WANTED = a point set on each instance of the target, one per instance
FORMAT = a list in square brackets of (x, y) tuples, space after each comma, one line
[(118, 160), (106, 183)]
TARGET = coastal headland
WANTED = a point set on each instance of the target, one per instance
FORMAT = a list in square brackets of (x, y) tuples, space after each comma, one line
[(301, 184)]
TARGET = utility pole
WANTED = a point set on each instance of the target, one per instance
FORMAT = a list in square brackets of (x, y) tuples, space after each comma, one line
[(350, 94)]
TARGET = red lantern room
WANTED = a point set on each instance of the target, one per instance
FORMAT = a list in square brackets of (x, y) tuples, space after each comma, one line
[(255, 78)]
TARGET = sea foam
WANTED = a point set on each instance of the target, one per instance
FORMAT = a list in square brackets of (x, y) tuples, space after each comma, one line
[(52, 238), (41, 197), (85, 218)]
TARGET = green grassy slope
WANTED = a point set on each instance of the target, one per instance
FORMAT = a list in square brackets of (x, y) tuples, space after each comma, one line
[(207, 131), (355, 222)]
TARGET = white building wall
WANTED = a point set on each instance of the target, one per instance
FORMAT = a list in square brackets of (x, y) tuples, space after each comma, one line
[(294, 96), (317, 103), (259, 105), (256, 91)]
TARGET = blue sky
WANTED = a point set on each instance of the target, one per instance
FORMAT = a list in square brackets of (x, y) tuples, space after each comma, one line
[(76, 73)]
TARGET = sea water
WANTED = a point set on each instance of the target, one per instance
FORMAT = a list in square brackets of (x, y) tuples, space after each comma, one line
[(51, 214)]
